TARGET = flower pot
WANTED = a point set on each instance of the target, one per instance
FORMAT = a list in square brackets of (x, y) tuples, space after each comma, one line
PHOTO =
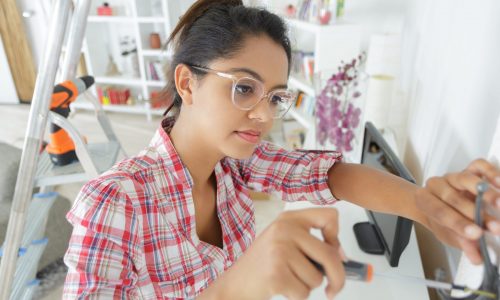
[(154, 41)]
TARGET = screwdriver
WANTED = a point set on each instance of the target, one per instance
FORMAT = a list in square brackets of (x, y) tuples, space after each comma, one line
[(353, 270), (364, 272)]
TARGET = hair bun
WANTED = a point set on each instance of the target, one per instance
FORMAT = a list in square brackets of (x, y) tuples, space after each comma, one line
[(194, 12)]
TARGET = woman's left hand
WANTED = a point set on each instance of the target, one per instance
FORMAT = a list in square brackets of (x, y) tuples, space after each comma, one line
[(448, 203)]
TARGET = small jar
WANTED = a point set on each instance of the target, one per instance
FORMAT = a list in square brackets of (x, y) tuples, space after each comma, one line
[(154, 40), (104, 10), (324, 16)]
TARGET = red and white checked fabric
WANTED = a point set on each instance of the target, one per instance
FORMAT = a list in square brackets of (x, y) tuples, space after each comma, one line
[(134, 233)]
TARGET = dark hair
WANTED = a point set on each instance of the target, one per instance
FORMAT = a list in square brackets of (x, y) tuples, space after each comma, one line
[(212, 29)]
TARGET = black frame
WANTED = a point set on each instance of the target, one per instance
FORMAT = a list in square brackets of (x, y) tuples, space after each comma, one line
[(403, 225)]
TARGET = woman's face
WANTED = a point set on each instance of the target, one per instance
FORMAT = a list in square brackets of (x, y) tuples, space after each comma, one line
[(230, 130)]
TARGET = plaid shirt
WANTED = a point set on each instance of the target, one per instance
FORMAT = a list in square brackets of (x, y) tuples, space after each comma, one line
[(134, 233)]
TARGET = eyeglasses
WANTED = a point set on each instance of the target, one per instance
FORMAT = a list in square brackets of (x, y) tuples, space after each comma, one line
[(247, 92)]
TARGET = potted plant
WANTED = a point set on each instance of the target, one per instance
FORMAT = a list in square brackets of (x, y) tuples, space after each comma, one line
[(338, 106)]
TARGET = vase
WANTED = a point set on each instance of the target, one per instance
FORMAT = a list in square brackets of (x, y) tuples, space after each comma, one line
[(339, 110), (324, 16), (154, 40), (104, 10)]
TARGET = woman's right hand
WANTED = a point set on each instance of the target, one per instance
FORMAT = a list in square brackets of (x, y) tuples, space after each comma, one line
[(277, 261)]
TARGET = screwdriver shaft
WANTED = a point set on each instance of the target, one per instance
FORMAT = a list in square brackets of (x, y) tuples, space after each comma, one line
[(427, 282)]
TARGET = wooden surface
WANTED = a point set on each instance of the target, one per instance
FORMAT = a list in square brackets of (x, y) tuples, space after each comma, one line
[(17, 49)]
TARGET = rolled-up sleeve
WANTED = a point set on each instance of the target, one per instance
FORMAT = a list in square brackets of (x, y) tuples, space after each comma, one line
[(300, 175), (102, 246)]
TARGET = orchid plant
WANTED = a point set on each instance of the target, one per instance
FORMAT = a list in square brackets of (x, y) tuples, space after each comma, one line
[(337, 112)]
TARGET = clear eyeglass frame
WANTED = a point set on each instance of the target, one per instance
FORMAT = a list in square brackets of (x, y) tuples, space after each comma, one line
[(286, 97)]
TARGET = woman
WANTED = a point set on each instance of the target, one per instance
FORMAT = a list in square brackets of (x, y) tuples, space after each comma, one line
[(176, 221)]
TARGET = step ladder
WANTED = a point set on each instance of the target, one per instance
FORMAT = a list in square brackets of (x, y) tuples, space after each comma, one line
[(25, 242), (32, 246)]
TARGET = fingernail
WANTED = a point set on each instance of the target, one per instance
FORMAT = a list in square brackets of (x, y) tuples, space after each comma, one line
[(329, 293), (473, 231), (342, 254), (498, 202), (494, 226), (497, 181)]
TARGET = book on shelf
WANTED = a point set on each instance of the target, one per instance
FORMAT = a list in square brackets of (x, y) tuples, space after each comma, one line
[(305, 104), (300, 97), (308, 68), (155, 71), (303, 64), (110, 95), (311, 10)]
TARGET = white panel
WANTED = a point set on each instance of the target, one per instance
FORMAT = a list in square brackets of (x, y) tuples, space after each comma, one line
[(336, 43), (467, 273), (494, 155), (8, 92)]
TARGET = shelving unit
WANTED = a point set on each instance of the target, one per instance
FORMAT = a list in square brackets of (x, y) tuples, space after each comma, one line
[(136, 19), (330, 44)]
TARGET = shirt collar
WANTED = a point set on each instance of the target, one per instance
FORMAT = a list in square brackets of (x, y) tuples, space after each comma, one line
[(163, 144)]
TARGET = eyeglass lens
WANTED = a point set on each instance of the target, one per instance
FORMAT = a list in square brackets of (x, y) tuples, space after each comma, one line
[(248, 92)]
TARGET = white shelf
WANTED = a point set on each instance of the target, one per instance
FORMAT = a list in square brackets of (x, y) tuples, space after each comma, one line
[(329, 45), (304, 25), (313, 27), (150, 20), (133, 109), (104, 38), (156, 52), (110, 19), (301, 84), (118, 80), (156, 83)]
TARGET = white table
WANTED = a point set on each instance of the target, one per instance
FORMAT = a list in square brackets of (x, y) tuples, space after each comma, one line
[(380, 288)]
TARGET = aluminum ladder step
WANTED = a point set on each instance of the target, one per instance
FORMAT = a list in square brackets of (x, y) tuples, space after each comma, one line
[(103, 156), (26, 269), (32, 245)]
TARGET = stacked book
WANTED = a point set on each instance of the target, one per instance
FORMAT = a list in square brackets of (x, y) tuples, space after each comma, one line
[(155, 71), (305, 104), (303, 64), (113, 95), (309, 10)]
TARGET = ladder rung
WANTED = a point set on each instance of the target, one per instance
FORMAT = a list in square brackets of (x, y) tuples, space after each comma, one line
[(38, 210), (21, 251), (30, 289), (26, 268), (103, 156)]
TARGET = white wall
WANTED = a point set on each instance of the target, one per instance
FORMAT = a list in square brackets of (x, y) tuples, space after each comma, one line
[(451, 72), (36, 18), (8, 93), (448, 99), (375, 16)]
